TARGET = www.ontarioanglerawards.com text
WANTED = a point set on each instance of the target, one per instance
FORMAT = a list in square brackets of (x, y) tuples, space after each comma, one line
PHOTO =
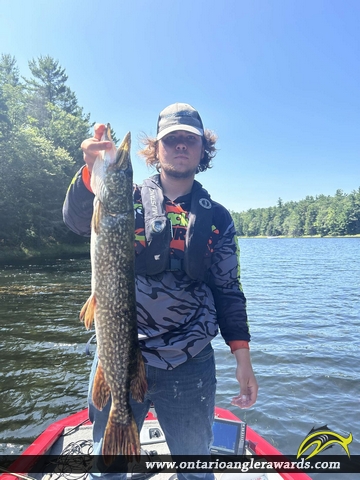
[(250, 465)]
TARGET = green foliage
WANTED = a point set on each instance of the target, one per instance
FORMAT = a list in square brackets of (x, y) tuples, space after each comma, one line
[(41, 129), (323, 215), (9, 72), (65, 129)]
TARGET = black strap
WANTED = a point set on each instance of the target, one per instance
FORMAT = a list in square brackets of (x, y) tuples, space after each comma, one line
[(198, 233)]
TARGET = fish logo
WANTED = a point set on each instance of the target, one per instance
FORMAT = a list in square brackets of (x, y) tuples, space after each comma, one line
[(323, 438)]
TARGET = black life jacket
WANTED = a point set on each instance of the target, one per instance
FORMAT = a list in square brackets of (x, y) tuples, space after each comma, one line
[(158, 233)]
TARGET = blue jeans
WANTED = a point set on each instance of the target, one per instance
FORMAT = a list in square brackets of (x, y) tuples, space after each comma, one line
[(184, 401)]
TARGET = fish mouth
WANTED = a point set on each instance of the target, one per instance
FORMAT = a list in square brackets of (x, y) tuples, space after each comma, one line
[(122, 160), (107, 133)]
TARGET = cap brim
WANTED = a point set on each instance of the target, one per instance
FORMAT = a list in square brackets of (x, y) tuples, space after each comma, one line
[(174, 128)]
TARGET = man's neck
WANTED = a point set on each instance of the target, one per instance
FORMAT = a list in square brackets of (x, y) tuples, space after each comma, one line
[(173, 187)]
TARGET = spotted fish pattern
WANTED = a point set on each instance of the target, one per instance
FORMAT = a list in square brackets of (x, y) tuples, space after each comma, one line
[(112, 303)]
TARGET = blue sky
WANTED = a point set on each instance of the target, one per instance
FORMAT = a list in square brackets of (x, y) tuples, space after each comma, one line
[(277, 80)]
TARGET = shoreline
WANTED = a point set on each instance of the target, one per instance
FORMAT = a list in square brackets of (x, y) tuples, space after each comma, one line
[(21, 255)]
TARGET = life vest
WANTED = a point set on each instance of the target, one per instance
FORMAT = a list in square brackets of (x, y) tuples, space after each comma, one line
[(158, 233)]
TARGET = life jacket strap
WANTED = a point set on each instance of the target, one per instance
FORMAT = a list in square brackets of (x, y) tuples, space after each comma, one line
[(175, 264), (158, 233)]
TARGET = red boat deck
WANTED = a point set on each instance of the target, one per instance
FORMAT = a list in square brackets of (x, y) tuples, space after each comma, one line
[(46, 440)]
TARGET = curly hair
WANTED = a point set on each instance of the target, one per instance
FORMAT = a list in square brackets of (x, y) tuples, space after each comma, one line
[(149, 152)]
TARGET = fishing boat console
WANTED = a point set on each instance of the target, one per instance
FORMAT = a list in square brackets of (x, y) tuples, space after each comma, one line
[(69, 441)]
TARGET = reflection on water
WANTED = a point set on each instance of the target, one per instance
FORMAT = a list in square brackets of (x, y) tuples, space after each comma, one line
[(304, 310), (44, 368)]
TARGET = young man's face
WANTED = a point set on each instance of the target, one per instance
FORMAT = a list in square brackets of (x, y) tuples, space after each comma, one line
[(179, 153)]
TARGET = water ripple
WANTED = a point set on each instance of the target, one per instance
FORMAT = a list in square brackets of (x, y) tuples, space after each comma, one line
[(303, 298)]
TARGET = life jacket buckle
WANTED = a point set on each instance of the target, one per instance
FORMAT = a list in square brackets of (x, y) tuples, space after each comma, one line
[(175, 264)]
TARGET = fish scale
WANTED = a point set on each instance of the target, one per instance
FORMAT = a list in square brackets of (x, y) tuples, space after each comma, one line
[(112, 303)]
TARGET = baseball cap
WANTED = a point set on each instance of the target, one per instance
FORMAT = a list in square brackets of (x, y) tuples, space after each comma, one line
[(179, 116)]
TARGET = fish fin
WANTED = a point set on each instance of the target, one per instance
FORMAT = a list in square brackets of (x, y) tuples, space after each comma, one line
[(95, 221), (84, 308), (120, 439), (138, 385), (87, 313), (101, 390)]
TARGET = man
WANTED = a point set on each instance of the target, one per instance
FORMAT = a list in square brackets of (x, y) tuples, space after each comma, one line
[(183, 298)]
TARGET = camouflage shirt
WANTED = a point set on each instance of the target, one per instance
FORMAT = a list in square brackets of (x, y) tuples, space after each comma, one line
[(177, 316)]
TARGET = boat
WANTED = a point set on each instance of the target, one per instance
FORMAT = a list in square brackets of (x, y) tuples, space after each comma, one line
[(72, 436)]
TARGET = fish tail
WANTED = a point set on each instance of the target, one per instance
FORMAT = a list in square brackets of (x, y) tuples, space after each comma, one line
[(101, 390), (138, 384), (120, 439), (87, 313)]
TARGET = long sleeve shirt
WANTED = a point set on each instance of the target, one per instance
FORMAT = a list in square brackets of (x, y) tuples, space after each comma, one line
[(177, 316)]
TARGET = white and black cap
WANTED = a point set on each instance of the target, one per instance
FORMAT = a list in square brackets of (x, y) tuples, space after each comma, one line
[(179, 116)]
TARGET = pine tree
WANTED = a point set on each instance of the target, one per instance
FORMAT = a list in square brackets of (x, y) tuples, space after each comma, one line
[(9, 72)]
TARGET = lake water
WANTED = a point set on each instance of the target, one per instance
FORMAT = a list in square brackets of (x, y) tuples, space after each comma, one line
[(304, 312)]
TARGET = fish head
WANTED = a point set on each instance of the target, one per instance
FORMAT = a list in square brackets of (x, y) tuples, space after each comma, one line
[(118, 178), (102, 162), (108, 156)]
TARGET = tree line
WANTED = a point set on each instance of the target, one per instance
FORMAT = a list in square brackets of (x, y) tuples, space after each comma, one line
[(322, 215), (41, 128)]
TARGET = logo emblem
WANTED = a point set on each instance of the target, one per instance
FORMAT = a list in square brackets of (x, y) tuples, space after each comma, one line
[(323, 438), (157, 226), (205, 203)]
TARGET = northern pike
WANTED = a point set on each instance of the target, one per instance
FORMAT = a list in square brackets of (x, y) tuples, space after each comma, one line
[(112, 303)]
